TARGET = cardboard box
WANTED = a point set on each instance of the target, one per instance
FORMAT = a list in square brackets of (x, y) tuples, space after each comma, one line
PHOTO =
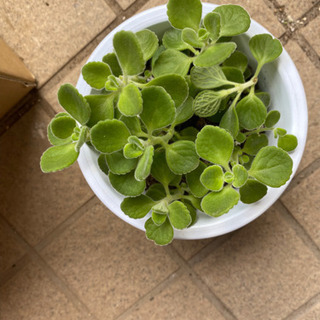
[(15, 79)]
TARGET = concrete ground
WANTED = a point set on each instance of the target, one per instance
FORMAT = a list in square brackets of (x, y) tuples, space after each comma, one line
[(63, 255)]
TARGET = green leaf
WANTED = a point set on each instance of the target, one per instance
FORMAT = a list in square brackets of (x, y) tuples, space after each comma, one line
[(109, 135), (62, 127), (271, 166), (233, 74), (208, 78), (158, 219), (192, 211), (189, 133), (234, 20), (172, 61), (228, 177), (288, 142), (83, 137), (251, 112), (156, 192), (215, 54), (179, 215), (264, 48), (272, 118), (74, 103), (264, 97), (215, 144), (172, 39), (138, 207), (193, 180), (130, 101), (252, 191), (230, 121), (129, 53), (175, 85), (138, 142), (126, 184), (52, 138), (161, 235), (241, 137), (132, 151), (158, 108), (101, 108), (240, 175), (112, 61), (191, 37), (118, 164), (279, 132), (58, 158), (182, 157), (237, 60), (149, 43), (184, 112), (254, 143), (102, 162), (143, 168), (96, 74), (207, 103), (160, 170), (212, 23), (216, 204), (156, 55), (161, 207), (132, 123), (212, 178), (186, 14)]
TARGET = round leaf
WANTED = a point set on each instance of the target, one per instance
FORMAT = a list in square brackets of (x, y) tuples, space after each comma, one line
[(156, 192), (182, 157), (191, 37), (237, 60), (233, 74), (143, 168), (212, 178), (208, 78), (158, 219), (230, 121), (240, 175), (252, 191), (132, 123), (102, 162), (109, 135), (137, 207), (113, 63), (52, 138), (215, 144), (207, 103), (127, 184), (149, 43), (193, 180), (62, 127), (264, 97), (131, 151), (184, 112), (130, 101), (288, 142), (272, 118), (58, 158), (96, 74), (118, 164), (271, 166), (254, 143), (161, 235), (172, 39), (179, 215), (216, 204), (212, 23)]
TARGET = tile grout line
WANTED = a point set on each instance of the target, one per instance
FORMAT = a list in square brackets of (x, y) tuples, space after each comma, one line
[(298, 228), (304, 308)]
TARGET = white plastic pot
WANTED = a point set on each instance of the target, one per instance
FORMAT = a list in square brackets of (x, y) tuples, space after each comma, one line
[(280, 79)]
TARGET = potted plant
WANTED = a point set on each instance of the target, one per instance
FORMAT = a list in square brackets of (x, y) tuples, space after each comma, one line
[(181, 121)]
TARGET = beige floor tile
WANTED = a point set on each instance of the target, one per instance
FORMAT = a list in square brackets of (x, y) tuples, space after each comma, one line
[(311, 33), (310, 76), (182, 300), (34, 202), (46, 34), (296, 8), (50, 92), (304, 203), (188, 248), (124, 4), (312, 314), (257, 9), (10, 248), (108, 263), (264, 272), (31, 295)]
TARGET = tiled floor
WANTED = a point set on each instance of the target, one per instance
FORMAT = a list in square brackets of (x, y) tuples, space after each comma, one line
[(63, 255)]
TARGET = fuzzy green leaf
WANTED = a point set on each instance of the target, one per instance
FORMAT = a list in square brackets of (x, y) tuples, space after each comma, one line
[(228, 177), (184, 112), (101, 108), (251, 112), (132, 123), (272, 118), (254, 143), (161, 235), (130, 101), (58, 158), (62, 127), (240, 175), (158, 108), (193, 180), (215, 54), (207, 103), (264, 97), (192, 211), (252, 191), (96, 74), (102, 162), (233, 74), (109, 135), (212, 178), (212, 23), (156, 192), (132, 151), (113, 63), (237, 60), (189, 133), (215, 144), (216, 204), (184, 14), (138, 207), (271, 166), (264, 48), (182, 157), (234, 20), (126, 184), (118, 164), (74, 103), (190, 37), (230, 121), (143, 168), (208, 78), (149, 43), (172, 39), (129, 53), (172, 61), (288, 142), (52, 138), (179, 215), (158, 219)]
